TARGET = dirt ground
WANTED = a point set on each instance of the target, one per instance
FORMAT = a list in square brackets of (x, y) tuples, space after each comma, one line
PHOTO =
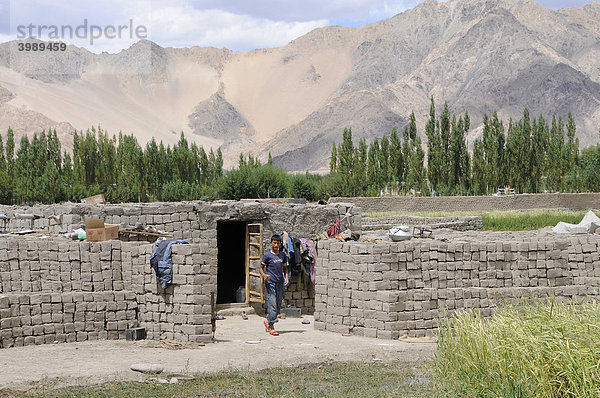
[(239, 344)]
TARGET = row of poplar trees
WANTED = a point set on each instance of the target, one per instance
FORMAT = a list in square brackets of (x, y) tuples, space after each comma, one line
[(39, 171), (529, 156)]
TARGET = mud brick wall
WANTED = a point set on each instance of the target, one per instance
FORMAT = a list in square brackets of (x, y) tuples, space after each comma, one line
[(56, 290), (387, 289), (182, 311), (456, 223), (408, 204), (196, 222), (186, 220)]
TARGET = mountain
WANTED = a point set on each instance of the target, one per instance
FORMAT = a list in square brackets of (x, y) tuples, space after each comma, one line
[(294, 101)]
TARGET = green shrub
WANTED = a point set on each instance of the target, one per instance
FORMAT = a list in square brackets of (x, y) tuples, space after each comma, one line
[(331, 185), (177, 190), (254, 182), (539, 350), (303, 186)]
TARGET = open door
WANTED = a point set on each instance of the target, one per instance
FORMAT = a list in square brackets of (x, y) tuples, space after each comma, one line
[(254, 252)]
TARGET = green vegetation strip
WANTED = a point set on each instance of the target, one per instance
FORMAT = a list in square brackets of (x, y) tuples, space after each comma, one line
[(508, 220), (540, 350), (337, 380)]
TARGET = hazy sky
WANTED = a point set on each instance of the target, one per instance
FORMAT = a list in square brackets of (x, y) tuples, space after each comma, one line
[(112, 25)]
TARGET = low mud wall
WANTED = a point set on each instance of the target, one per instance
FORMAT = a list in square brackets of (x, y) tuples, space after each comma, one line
[(456, 223), (185, 220), (409, 204), (387, 290)]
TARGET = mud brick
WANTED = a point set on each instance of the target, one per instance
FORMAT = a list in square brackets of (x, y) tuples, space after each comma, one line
[(28, 340), (370, 332), (4, 302)]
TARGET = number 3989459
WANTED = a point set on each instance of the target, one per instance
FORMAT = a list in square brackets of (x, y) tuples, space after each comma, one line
[(50, 46)]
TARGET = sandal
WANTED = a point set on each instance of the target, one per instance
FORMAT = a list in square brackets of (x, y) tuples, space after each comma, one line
[(267, 327), (274, 332)]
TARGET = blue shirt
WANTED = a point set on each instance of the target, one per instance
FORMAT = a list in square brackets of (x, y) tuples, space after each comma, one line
[(274, 265)]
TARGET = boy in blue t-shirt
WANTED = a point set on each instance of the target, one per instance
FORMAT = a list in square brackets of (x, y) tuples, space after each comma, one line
[(274, 271)]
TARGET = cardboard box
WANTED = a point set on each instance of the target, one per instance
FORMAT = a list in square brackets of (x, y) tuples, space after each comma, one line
[(97, 231), (94, 200)]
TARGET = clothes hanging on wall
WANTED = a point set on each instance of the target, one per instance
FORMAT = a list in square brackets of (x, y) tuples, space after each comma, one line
[(309, 262), (161, 262), (301, 256)]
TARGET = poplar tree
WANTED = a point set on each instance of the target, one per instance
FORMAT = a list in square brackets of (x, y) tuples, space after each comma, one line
[(372, 167), (479, 168), (4, 187), (24, 179), (444, 134), (359, 183), (418, 171), (538, 149), (396, 158), (346, 157), (152, 169), (10, 164), (572, 143), (556, 160), (217, 165), (459, 156), (383, 175), (434, 149), (333, 160)]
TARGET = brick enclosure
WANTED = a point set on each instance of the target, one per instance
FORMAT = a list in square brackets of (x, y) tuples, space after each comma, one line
[(55, 289), (387, 289)]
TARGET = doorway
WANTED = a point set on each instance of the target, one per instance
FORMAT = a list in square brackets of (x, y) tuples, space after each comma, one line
[(231, 260)]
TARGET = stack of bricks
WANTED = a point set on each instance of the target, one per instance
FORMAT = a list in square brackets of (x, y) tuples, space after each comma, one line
[(388, 289), (63, 291), (300, 294), (182, 311), (42, 318)]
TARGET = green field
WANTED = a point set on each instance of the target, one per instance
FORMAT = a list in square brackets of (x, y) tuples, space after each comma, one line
[(513, 220)]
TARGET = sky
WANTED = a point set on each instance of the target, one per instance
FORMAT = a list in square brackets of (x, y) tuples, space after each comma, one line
[(241, 25)]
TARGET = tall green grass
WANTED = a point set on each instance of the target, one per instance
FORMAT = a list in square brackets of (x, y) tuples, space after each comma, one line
[(509, 220), (539, 350), (528, 220)]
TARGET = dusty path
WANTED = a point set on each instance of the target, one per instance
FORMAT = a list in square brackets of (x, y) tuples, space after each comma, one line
[(98, 361)]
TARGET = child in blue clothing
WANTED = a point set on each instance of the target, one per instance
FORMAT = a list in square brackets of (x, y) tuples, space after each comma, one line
[(274, 271)]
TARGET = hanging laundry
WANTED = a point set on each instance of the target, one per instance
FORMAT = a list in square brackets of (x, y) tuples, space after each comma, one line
[(334, 229), (308, 259), (296, 263), (161, 262)]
